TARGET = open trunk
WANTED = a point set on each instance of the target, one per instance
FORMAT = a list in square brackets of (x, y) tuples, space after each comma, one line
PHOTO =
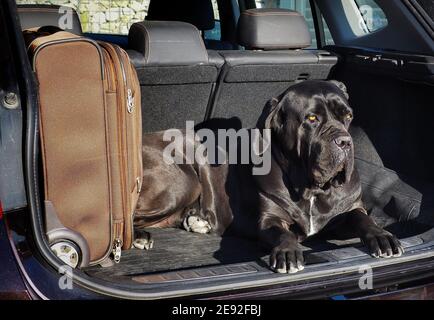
[(398, 190), (394, 160)]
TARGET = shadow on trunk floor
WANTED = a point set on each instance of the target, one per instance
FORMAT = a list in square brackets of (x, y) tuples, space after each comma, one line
[(176, 249)]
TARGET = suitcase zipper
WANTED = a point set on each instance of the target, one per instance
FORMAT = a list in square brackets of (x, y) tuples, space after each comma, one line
[(130, 96), (109, 71), (130, 105), (117, 250), (118, 241)]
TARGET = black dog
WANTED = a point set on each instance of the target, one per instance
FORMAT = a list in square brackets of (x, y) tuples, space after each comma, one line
[(312, 185)]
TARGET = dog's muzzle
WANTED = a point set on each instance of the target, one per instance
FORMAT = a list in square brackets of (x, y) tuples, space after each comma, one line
[(331, 170), (341, 146)]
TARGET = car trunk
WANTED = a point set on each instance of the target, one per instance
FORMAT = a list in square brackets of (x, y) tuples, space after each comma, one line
[(392, 136)]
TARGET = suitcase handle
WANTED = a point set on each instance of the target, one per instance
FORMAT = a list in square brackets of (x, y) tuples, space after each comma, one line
[(49, 29), (34, 33)]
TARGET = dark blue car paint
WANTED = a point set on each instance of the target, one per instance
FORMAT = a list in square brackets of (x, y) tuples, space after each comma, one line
[(26, 271), (11, 282)]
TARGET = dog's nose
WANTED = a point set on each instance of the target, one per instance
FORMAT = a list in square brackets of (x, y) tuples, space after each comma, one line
[(343, 142)]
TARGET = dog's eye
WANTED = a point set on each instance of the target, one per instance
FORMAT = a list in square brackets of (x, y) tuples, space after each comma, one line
[(349, 117), (312, 118)]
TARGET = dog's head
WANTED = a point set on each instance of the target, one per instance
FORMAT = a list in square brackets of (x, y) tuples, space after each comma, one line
[(310, 122)]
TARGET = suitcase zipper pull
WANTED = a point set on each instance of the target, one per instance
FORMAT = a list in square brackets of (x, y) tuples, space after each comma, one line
[(138, 185), (117, 250), (130, 101)]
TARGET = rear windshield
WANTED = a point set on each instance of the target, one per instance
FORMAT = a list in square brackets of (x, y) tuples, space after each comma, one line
[(112, 16), (103, 16)]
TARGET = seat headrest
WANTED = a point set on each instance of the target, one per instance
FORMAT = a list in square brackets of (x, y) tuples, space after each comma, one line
[(273, 29), (199, 13), (168, 42), (32, 16)]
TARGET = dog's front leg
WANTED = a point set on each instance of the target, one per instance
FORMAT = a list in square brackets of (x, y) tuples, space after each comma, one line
[(206, 217), (274, 230), (379, 242), (286, 256)]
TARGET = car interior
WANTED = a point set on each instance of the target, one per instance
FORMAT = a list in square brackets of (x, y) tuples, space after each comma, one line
[(185, 77)]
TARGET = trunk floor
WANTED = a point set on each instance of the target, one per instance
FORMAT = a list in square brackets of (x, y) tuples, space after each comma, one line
[(404, 205), (405, 210), (176, 249)]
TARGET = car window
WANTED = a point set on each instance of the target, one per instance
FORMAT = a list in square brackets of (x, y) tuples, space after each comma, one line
[(214, 34), (302, 6), (373, 16), (327, 34), (103, 16)]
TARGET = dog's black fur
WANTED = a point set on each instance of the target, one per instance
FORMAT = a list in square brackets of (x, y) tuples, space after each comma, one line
[(312, 186)]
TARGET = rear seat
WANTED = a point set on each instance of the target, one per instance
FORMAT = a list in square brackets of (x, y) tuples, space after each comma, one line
[(176, 74), (273, 60), (39, 15)]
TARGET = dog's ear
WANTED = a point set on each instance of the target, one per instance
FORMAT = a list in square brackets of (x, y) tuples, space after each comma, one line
[(341, 86), (274, 118)]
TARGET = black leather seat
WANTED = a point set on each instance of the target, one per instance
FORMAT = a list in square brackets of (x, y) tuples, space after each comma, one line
[(199, 13), (32, 16), (177, 75), (273, 60)]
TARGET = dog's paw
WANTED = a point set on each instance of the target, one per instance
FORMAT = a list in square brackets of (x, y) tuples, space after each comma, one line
[(196, 224), (382, 244), (287, 259), (143, 241)]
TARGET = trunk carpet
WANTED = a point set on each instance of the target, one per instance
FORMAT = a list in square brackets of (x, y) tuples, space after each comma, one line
[(176, 249)]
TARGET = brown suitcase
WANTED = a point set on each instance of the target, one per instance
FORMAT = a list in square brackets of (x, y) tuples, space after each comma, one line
[(91, 137)]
